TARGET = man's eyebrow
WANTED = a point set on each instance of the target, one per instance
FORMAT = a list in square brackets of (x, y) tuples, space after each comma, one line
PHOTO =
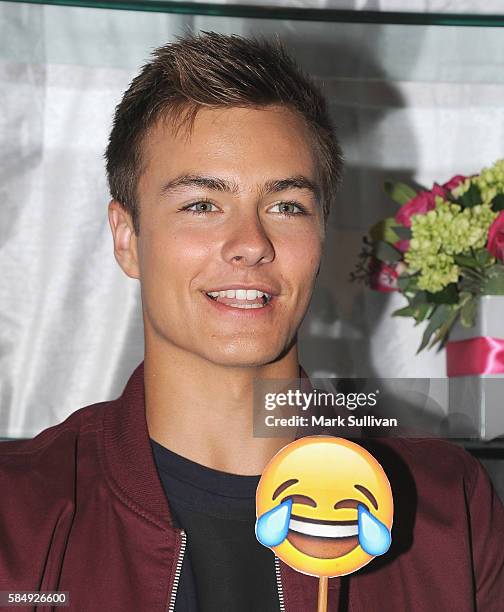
[(197, 180), (218, 184), (292, 182), (283, 486), (368, 494)]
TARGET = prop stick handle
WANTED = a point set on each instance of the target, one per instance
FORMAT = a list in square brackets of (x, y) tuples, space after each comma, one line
[(322, 594)]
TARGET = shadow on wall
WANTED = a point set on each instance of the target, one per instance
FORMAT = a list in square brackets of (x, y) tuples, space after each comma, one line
[(337, 332)]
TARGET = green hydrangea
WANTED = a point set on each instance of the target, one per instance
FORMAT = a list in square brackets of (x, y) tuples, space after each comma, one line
[(443, 232), (490, 182)]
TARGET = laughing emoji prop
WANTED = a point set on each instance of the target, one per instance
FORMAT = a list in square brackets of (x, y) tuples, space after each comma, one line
[(324, 506)]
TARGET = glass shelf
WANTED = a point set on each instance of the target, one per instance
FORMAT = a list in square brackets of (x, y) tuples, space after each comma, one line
[(363, 55), (248, 11)]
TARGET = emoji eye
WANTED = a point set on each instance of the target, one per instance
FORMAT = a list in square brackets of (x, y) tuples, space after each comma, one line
[(362, 489), (349, 503), (301, 499), (283, 486)]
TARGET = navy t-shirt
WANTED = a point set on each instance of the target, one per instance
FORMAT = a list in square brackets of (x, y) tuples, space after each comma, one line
[(224, 567)]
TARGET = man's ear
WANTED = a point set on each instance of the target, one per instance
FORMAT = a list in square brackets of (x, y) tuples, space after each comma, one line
[(125, 239)]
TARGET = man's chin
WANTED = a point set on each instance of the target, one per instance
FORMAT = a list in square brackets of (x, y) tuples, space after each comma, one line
[(244, 360), (219, 348), (246, 355)]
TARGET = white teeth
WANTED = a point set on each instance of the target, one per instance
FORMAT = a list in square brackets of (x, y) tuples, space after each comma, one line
[(323, 530), (246, 305), (239, 294)]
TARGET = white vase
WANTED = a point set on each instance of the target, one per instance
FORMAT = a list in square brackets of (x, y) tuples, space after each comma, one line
[(476, 402)]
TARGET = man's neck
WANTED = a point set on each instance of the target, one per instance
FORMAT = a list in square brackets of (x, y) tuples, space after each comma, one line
[(204, 411)]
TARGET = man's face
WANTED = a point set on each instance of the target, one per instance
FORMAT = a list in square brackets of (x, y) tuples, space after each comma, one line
[(227, 212)]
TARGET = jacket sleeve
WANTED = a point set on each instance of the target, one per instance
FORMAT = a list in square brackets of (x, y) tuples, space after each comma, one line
[(37, 480), (486, 523)]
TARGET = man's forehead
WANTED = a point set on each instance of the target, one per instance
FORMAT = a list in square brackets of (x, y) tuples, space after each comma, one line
[(185, 120), (188, 128), (273, 141)]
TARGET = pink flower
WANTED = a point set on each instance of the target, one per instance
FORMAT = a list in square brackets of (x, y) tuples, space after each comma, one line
[(402, 245), (454, 182), (419, 205), (496, 237), (382, 276)]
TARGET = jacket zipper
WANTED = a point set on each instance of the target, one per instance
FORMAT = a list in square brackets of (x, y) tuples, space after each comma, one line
[(178, 570), (279, 585)]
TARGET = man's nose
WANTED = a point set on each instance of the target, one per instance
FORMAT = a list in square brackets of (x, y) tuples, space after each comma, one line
[(248, 243)]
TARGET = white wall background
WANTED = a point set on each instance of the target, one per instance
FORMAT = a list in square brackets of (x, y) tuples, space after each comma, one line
[(410, 102)]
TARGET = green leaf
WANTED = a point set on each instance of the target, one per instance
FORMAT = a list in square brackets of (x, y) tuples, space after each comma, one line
[(494, 281), (399, 192), (474, 274), (408, 284), (386, 252), (419, 298), (407, 311), (442, 333), (384, 230), (483, 257), (498, 202), (419, 312), (423, 311), (404, 233), (473, 287), (465, 296), (468, 312), (472, 197), (466, 261), (448, 295), (472, 280), (402, 282), (439, 316)]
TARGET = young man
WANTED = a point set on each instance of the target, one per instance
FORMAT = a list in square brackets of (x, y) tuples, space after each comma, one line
[(222, 166)]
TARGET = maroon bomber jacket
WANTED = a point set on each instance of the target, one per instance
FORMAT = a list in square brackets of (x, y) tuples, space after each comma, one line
[(83, 510)]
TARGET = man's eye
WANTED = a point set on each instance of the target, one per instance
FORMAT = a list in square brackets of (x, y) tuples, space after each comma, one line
[(288, 208), (201, 208)]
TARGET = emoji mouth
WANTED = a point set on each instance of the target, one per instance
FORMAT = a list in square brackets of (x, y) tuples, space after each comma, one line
[(323, 539)]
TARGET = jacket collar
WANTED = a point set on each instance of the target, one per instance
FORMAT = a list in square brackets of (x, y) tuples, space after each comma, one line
[(128, 458), (129, 461)]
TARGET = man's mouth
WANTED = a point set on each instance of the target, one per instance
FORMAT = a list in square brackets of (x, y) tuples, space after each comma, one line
[(323, 539), (241, 298)]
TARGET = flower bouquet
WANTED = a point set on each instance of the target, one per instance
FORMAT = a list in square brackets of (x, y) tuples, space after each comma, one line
[(443, 250)]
